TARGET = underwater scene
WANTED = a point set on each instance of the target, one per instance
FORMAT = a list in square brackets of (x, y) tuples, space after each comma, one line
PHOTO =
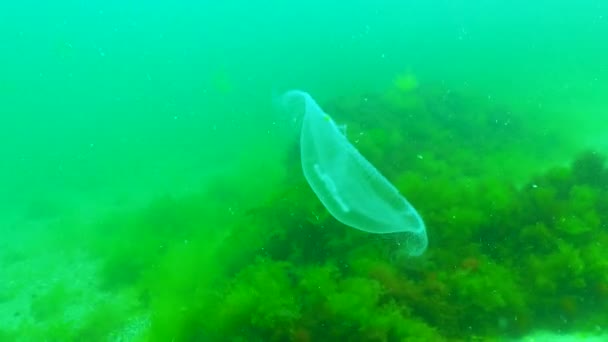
[(241, 171)]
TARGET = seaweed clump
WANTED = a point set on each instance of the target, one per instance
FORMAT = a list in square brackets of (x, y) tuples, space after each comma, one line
[(508, 255), (514, 246)]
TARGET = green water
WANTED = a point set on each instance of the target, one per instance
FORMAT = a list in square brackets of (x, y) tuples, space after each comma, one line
[(151, 191)]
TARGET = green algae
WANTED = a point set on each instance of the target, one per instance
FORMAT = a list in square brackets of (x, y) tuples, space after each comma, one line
[(516, 246)]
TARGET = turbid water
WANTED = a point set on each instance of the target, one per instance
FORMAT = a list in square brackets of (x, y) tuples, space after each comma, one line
[(150, 189)]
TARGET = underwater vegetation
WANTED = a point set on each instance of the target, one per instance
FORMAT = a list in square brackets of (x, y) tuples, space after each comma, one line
[(517, 243)]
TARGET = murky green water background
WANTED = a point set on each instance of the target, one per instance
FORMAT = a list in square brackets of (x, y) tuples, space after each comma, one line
[(138, 139)]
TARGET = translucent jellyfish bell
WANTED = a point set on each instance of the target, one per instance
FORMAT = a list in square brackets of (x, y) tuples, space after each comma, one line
[(349, 186)]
